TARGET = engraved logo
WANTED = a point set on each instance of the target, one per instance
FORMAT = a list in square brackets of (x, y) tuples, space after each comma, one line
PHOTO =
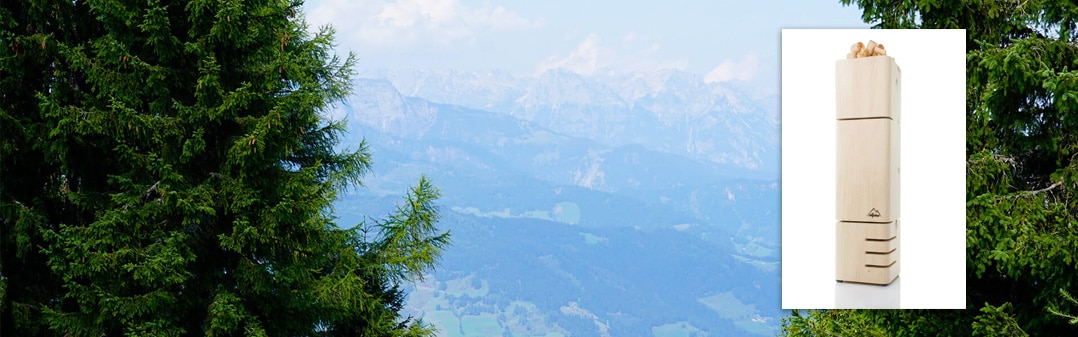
[(874, 213)]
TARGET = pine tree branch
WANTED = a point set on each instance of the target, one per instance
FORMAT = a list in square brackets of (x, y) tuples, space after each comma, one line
[(1019, 194), (1046, 189), (150, 191), (1005, 159), (814, 328), (1072, 319)]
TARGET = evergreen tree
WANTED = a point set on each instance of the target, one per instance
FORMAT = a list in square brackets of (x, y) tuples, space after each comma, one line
[(166, 171), (1021, 178)]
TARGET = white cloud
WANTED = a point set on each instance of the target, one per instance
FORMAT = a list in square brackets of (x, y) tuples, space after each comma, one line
[(583, 60), (632, 37), (404, 23), (635, 52), (728, 70), (406, 13)]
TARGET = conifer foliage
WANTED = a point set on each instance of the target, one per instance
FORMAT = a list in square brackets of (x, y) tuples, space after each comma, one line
[(166, 171), (1021, 173)]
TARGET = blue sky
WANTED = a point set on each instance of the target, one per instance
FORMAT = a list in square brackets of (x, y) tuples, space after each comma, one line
[(719, 40)]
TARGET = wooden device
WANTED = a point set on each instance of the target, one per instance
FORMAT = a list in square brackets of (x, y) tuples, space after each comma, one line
[(867, 170)]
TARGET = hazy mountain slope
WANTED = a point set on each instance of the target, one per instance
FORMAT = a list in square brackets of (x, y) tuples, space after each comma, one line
[(577, 204)]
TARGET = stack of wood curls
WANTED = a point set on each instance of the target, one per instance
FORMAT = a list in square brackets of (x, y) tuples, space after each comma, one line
[(861, 50)]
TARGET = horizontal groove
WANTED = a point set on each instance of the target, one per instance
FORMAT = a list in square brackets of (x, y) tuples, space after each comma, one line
[(882, 253), (871, 222), (879, 266), (881, 240), (862, 118)]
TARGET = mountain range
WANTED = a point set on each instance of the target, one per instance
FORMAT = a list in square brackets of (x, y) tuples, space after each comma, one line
[(635, 204)]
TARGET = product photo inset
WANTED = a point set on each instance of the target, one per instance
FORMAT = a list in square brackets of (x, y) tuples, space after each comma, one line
[(867, 206)]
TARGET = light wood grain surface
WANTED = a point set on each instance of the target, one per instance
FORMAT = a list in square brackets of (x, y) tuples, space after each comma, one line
[(868, 170), (867, 252)]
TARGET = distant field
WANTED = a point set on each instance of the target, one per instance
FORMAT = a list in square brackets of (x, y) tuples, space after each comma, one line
[(593, 239), (679, 329), (481, 325), (762, 265), (749, 250), (519, 318), (448, 324), (464, 287), (744, 316), (728, 306), (753, 248), (564, 212)]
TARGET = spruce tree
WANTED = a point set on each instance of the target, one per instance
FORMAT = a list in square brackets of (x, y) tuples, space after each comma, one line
[(1021, 173), (167, 171)]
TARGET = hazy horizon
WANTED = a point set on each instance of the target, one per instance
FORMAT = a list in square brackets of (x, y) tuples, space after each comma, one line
[(719, 41)]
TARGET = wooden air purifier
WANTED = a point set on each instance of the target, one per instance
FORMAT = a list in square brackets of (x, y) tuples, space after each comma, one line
[(867, 169)]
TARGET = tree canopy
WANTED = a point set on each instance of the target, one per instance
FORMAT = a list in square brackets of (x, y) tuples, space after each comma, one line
[(167, 171), (1021, 173)]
